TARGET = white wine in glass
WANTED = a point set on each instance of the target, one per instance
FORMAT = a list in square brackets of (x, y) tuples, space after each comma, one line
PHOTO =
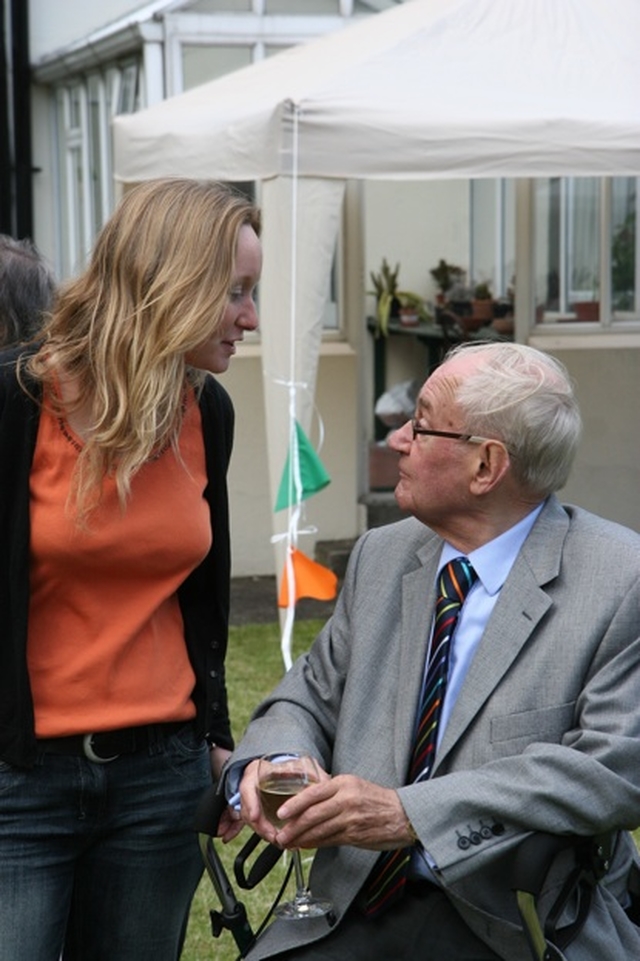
[(280, 776)]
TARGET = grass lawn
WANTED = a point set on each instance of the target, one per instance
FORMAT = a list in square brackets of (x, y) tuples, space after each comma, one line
[(254, 667)]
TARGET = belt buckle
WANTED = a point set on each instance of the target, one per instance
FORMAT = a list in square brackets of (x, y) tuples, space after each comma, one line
[(87, 747)]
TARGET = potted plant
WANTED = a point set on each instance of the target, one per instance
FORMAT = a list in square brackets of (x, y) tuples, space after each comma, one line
[(445, 276), (483, 302), (412, 308), (385, 290), (393, 302), (586, 308)]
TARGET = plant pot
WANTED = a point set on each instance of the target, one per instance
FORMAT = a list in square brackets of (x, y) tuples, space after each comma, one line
[(483, 310), (587, 310), (503, 325), (472, 323), (409, 317)]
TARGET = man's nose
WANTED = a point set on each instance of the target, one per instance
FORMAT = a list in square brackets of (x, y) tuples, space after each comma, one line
[(401, 439)]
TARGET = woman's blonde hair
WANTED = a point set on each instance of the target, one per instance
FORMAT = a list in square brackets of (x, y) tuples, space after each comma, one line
[(156, 287)]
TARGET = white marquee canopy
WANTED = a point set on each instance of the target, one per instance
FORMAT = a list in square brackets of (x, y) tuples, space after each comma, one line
[(431, 89)]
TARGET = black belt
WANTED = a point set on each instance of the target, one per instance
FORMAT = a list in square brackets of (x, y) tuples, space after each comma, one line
[(105, 746)]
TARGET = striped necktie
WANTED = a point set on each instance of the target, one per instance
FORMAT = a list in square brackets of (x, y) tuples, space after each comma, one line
[(389, 875)]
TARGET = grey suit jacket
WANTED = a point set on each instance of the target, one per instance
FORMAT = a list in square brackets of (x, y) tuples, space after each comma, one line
[(544, 736)]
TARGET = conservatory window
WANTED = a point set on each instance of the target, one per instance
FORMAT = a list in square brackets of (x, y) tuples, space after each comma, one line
[(302, 7), (83, 111), (624, 247), (586, 250), (201, 63), (492, 235)]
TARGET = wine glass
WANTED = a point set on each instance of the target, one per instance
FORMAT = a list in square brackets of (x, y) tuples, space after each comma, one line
[(280, 776)]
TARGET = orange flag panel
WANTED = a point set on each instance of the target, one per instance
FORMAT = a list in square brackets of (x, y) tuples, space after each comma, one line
[(311, 580)]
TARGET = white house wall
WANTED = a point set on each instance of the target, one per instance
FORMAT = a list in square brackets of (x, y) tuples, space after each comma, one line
[(605, 475), (414, 224)]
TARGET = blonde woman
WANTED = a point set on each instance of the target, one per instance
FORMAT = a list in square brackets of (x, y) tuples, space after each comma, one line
[(114, 578)]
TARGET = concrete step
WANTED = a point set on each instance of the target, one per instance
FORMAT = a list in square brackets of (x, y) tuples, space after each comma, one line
[(334, 555), (382, 508)]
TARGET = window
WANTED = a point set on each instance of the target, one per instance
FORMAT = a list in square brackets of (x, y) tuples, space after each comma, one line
[(302, 7), (625, 300), (201, 63), (83, 113), (492, 235), (586, 250)]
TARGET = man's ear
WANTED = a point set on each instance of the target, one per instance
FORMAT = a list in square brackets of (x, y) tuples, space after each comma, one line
[(491, 464)]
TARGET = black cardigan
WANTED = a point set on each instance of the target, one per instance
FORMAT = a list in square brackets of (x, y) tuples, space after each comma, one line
[(204, 595)]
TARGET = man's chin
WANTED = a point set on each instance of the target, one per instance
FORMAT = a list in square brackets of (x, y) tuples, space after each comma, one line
[(401, 497)]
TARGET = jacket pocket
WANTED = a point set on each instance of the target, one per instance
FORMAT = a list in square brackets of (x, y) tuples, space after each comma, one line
[(545, 724)]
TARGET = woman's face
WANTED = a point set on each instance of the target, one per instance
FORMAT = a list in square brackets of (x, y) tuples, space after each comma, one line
[(215, 353)]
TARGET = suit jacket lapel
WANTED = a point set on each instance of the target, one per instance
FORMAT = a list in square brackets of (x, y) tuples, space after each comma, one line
[(418, 605)]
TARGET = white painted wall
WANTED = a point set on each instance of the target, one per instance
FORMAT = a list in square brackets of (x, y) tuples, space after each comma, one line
[(606, 475)]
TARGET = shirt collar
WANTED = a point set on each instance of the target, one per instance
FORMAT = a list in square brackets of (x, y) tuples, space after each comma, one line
[(493, 561)]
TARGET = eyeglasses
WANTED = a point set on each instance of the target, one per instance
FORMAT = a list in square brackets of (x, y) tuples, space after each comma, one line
[(468, 438)]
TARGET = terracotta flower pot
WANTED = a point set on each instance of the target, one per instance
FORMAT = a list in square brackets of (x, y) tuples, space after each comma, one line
[(409, 316), (587, 310), (483, 310)]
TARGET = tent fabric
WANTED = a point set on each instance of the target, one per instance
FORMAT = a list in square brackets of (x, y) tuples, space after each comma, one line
[(428, 89), (292, 307)]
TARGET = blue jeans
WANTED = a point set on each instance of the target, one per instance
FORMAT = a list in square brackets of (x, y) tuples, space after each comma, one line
[(112, 845)]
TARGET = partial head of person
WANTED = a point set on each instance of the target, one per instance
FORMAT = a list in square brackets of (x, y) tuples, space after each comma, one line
[(27, 290), (166, 297), (495, 431)]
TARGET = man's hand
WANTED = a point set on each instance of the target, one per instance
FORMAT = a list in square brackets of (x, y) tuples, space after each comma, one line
[(229, 825), (341, 810), (218, 757)]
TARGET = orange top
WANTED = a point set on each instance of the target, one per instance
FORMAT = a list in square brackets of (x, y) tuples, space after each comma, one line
[(106, 645)]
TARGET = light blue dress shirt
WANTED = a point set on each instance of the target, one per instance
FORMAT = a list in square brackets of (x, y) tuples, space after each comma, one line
[(492, 563)]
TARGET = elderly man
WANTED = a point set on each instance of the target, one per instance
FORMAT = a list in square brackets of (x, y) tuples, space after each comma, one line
[(452, 727)]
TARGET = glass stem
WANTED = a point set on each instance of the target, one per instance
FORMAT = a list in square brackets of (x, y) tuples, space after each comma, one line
[(301, 888)]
